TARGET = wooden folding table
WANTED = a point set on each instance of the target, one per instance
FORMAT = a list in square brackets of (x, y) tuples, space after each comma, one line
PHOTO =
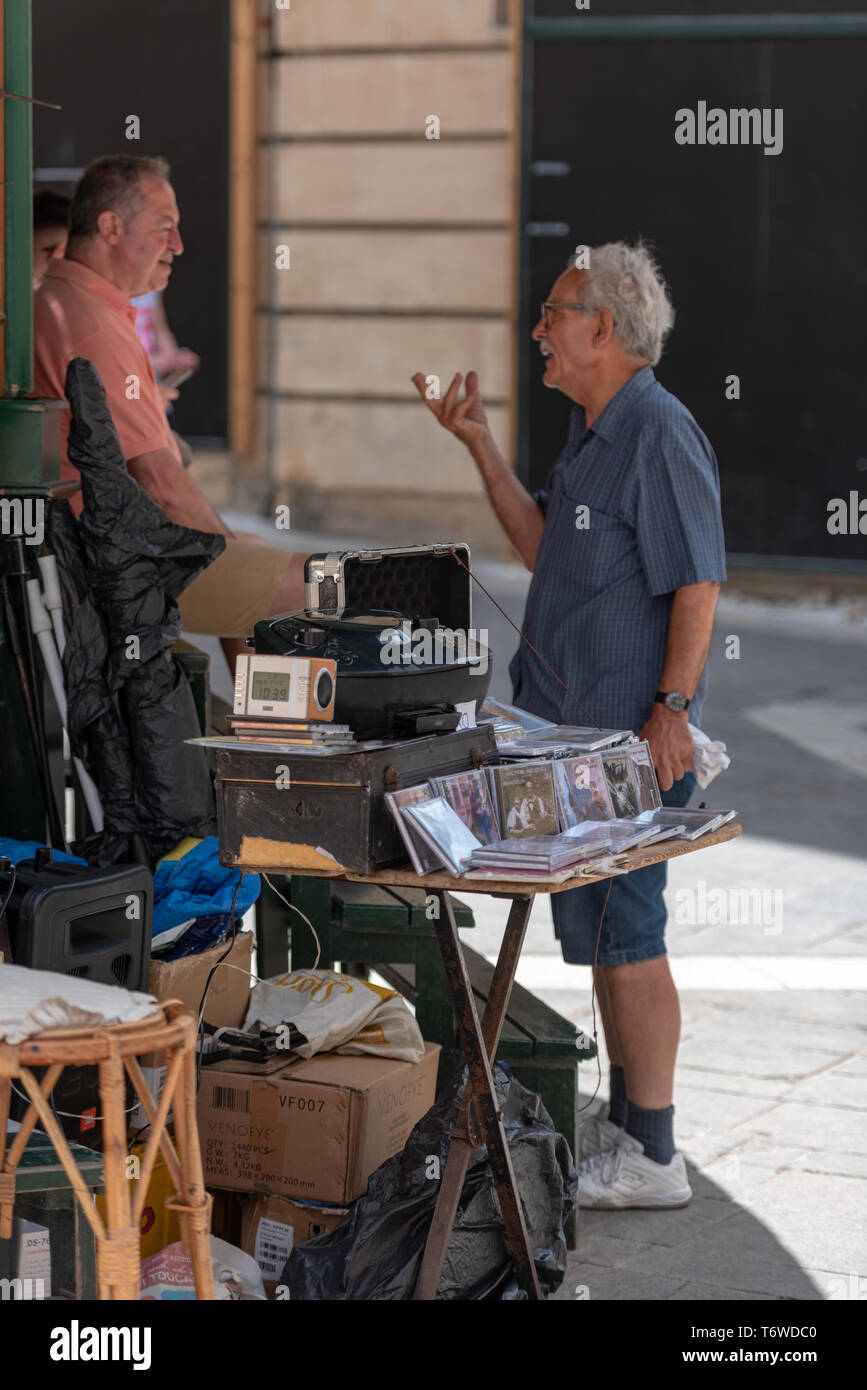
[(479, 1119)]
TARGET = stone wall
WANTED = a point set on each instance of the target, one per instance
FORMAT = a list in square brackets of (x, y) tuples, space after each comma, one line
[(400, 259)]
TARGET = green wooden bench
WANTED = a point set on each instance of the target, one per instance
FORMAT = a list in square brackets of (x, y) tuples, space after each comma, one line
[(360, 923), (387, 929)]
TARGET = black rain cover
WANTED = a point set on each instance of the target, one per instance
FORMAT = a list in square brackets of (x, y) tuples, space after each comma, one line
[(130, 705), (375, 1252)]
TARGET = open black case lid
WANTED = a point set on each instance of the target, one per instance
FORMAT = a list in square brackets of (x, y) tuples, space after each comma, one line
[(419, 581)]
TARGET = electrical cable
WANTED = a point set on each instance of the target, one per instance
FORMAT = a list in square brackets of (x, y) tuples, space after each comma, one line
[(524, 638), (574, 697), (214, 968), (13, 871), (71, 1114), (593, 1003), (300, 914)]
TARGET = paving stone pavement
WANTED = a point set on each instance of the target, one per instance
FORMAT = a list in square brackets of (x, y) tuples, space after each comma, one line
[(770, 1109), (771, 1086)]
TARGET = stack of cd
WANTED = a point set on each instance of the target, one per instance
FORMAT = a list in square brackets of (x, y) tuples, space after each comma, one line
[(543, 854), (562, 741), (306, 732)]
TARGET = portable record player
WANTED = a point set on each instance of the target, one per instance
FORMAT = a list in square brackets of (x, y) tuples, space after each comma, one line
[(398, 623)]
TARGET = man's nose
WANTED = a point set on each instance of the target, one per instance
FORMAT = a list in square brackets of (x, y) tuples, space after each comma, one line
[(176, 245), (540, 329)]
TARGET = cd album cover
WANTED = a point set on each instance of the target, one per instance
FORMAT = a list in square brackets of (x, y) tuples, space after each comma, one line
[(622, 782), (582, 790), (644, 773), (467, 794), (526, 803), (421, 857)]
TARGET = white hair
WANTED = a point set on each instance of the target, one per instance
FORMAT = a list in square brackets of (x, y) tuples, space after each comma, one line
[(627, 281)]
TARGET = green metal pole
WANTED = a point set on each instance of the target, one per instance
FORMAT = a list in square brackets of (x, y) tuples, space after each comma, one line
[(18, 249), (29, 430)]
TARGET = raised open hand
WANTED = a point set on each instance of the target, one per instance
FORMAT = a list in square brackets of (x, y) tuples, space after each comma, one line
[(464, 418)]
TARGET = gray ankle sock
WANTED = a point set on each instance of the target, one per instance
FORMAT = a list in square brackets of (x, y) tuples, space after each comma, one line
[(618, 1102), (654, 1129)]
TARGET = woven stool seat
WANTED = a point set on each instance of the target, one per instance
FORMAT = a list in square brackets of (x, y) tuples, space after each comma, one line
[(115, 1050)]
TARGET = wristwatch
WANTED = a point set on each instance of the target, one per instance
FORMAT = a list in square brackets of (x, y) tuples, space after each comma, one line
[(675, 700)]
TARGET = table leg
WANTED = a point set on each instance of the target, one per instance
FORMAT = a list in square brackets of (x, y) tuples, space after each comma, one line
[(479, 1045)]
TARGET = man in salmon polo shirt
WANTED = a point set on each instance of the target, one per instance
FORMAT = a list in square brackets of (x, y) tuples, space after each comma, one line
[(123, 238)]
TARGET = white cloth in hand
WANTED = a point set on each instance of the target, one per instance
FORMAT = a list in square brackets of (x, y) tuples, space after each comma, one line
[(710, 757)]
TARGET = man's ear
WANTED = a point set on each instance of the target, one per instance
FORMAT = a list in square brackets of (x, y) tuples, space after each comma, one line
[(110, 227), (604, 328)]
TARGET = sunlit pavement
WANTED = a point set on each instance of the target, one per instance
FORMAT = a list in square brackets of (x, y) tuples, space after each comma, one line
[(768, 945)]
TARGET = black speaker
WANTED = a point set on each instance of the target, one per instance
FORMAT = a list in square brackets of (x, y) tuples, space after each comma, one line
[(94, 923)]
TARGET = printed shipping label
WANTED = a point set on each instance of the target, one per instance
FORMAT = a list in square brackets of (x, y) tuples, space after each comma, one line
[(273, 1247)]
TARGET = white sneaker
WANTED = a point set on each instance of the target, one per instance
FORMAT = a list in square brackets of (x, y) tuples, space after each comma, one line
[(596, 1136), (625, 1177)]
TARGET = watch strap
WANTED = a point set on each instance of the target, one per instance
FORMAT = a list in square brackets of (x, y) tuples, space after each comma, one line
[(661, 698)]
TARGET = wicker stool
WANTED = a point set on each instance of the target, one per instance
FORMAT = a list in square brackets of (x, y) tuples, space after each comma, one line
[(115, 1050)]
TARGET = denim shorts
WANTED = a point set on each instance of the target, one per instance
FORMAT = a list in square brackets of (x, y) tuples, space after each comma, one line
[(634, 924)]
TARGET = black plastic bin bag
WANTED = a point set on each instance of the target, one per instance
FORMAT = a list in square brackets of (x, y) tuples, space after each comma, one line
[(375, 1253)]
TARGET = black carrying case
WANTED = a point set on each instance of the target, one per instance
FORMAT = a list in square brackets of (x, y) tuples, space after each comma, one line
[(333, 813), (354, 599), (420, 580)]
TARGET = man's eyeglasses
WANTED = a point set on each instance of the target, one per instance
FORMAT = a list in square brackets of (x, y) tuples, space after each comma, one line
[(560, 304)]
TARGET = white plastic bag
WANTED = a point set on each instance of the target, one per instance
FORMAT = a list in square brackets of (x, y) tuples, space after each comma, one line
[(391, 1031), (168, 1275), (333, 1011)]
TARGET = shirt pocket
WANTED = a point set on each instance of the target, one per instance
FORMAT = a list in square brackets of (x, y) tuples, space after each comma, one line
[(601, 545)]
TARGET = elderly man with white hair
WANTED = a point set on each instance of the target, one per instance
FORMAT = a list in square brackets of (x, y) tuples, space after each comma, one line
[(625, 544)]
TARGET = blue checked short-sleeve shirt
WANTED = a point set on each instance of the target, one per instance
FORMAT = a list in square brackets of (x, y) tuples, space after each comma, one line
[(632, 513)]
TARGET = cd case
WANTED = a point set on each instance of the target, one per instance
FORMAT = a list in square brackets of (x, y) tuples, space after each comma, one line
[(421, 857), (445, 833), (469, 796), (525, 799)]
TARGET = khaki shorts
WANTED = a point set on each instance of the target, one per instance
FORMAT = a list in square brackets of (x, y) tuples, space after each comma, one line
[(232, 594)]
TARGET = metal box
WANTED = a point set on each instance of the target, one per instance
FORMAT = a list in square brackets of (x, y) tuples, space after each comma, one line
[(332, 814)]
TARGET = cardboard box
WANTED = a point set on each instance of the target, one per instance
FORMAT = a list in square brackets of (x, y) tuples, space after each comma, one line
[(184, 979), (316, 1129), (272, 1226), (225, 1007)]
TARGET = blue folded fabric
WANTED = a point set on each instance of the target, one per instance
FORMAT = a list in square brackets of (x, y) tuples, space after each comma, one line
[(16, 850), (201, 935), (198, 885)]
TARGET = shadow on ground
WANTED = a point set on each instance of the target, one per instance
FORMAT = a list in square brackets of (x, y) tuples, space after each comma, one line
[(712, 1249)]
